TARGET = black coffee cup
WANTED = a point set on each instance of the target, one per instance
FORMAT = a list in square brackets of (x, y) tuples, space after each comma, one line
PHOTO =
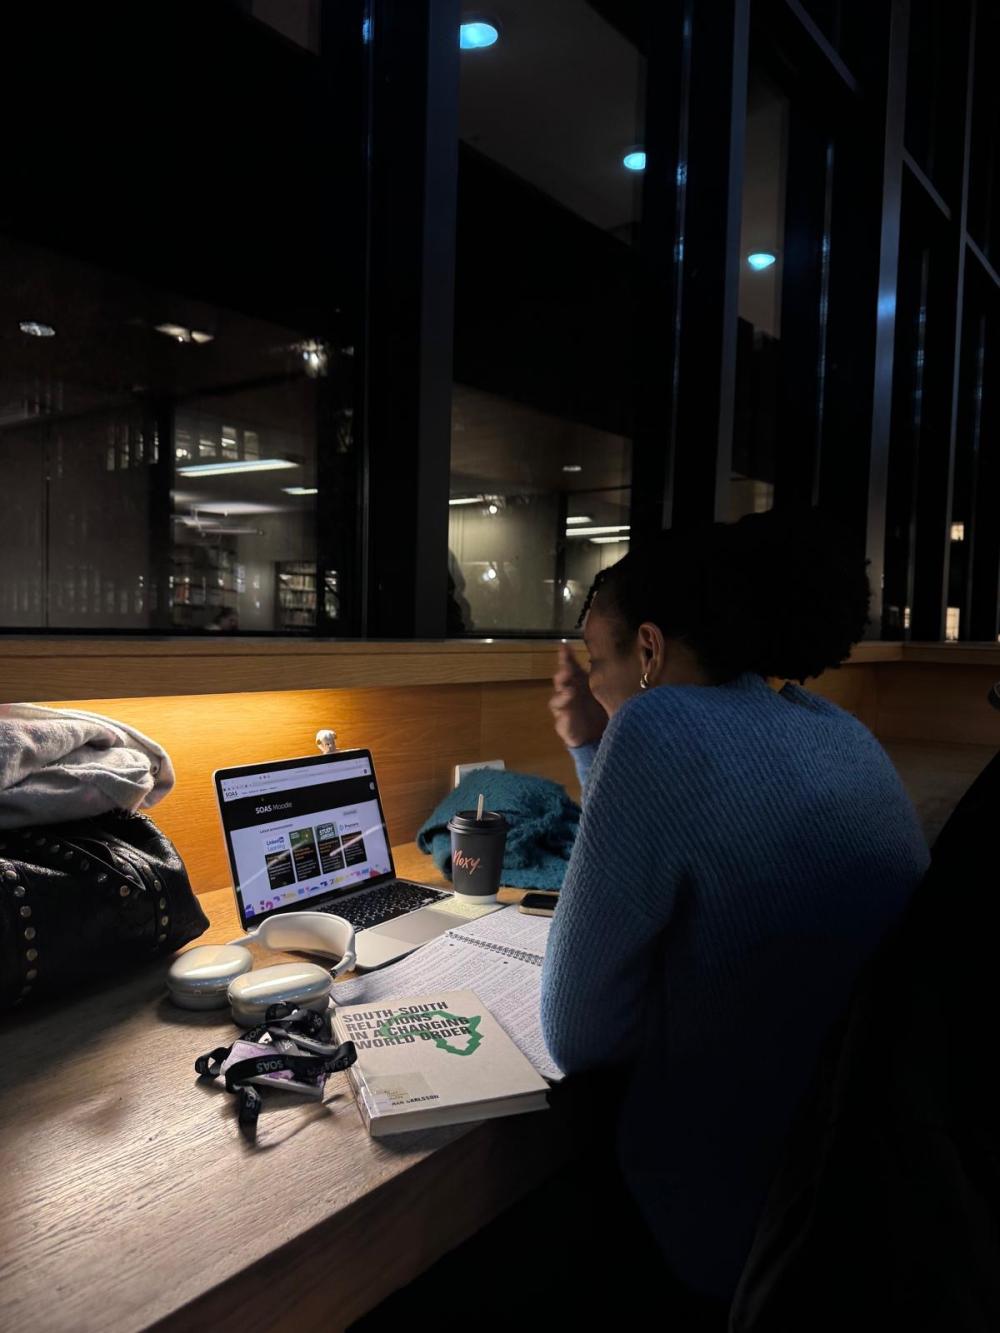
[(477, 847)]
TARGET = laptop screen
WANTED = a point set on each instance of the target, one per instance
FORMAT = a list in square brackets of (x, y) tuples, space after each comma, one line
[(302, 829)]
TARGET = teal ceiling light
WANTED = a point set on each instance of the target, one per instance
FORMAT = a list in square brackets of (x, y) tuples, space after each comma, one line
[(477, 34)]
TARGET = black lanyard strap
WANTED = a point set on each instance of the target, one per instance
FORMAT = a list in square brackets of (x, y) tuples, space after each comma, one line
[(210, 1065), (302, 1066), (293, 1048), (250, 1103), (306, 1021)]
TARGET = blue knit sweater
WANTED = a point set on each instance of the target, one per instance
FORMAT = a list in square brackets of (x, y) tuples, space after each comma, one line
[(741, 853)]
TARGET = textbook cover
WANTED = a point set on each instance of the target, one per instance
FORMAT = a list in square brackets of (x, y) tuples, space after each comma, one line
[(434, 1060)]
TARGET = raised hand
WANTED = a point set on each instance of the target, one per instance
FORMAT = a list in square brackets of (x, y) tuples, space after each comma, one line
[(579, 718)]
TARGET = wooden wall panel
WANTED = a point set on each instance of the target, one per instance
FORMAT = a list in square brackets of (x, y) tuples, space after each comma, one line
[(36, 669), (414, 734), (418, 732), (517, 728), (937, 703), (92, 668), (853, 688), (411, 786)]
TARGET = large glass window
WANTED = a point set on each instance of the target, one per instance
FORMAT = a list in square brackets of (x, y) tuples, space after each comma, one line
[(984, 170), (936, 70), (762, 265), (550, 180), (850, 30), (176, 346), (918, 522)]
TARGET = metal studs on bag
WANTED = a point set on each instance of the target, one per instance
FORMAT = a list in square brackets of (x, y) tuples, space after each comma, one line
[(106, 879), (29, 955)]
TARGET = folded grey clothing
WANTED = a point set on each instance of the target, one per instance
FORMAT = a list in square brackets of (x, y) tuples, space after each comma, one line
[(61, 764)]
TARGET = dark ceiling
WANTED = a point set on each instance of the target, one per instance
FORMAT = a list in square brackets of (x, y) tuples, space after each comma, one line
[(557, 102)]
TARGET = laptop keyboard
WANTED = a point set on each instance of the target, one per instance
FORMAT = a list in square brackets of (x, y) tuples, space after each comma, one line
[(371, 908)]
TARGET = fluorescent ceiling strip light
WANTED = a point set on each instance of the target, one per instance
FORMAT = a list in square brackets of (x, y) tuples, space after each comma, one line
[(579, 518), (301, 490), (242, 465), (216, 528), (468, 500), (605, 541), (230, 508), (597, 532)]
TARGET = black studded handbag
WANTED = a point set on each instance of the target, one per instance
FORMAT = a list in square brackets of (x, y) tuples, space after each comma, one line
[(87, 898)]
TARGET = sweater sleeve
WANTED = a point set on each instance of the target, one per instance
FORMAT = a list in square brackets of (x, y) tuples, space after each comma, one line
[(583, 758), (616, 900)]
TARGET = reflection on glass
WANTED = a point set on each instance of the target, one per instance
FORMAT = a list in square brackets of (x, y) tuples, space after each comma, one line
[(936, 63), (22, 533), (984, 163), (174, 340), (596, 536), (152, 481), (521, 556), (243, 508), (296, 20), (762, 235), (542, 404)]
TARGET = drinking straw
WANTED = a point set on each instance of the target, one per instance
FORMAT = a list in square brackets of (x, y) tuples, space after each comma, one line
[(479, 807)]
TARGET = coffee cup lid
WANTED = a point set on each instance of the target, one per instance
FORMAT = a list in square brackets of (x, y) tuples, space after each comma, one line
[(465, 821)]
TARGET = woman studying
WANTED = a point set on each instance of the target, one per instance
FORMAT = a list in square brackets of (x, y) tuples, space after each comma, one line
[(742, 851)]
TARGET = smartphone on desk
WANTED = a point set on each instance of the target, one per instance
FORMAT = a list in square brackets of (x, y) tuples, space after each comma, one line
[(540, 903)]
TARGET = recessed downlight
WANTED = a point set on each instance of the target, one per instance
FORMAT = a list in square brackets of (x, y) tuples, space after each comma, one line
[(180, 334), (477, 34)]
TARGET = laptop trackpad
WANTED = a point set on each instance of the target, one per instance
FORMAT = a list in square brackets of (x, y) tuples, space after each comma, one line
[(416, 927)]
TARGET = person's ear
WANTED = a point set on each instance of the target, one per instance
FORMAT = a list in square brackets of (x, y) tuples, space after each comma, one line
[(652, 653)]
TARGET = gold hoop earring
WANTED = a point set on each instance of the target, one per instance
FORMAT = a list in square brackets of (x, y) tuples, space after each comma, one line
[(644, 681)]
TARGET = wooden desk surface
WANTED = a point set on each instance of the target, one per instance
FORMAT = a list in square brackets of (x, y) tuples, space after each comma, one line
[(131, 1200)]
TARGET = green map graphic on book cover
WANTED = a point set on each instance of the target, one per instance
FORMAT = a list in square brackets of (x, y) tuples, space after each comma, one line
[(435, 1060), (426, 1025)]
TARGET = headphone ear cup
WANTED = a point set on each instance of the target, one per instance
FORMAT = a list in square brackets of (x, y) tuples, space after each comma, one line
[(302, 985), (200, 977)]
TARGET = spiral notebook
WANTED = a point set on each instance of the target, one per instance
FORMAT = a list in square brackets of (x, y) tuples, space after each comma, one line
[(499, 957)]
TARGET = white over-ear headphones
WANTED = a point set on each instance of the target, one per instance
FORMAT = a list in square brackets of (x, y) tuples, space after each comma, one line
[(307, 932), (212, 975)]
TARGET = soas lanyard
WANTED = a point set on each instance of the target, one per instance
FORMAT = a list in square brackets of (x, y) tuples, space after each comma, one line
[(294, 1047)]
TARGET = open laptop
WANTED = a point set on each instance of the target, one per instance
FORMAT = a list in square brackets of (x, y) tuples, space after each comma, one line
[(309, 834)]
